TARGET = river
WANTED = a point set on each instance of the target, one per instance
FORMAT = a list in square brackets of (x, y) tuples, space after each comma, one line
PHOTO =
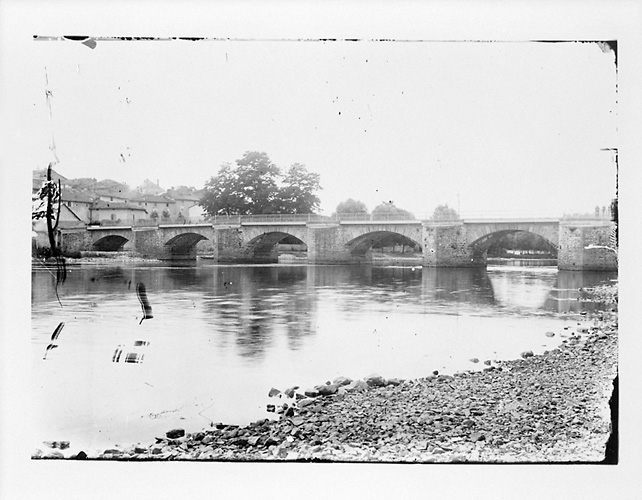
[(222, 336)]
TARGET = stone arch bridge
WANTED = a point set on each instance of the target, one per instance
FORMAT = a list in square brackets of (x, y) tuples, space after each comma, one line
[(581, 244)]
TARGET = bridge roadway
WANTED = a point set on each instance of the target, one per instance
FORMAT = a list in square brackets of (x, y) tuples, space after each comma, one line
[(582, 244)]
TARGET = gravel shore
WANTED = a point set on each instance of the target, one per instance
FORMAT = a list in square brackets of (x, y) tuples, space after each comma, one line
[(544, 408)]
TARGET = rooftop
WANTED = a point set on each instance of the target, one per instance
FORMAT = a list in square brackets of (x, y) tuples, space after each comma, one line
[(75, 195), (115, 205), (154, 198)]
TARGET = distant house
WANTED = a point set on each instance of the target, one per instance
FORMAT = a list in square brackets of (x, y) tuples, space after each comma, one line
[(155, 203), (86, 200), (110, 194), (116, 212), (186, 203), (77, 205)]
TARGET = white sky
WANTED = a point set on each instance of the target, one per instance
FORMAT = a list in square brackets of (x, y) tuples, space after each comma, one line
[(514, 127)]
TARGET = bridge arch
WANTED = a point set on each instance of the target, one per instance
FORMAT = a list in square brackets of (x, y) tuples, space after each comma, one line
[(263, 246), (184, 243), (481, 245), (110, 243), (359, 246)]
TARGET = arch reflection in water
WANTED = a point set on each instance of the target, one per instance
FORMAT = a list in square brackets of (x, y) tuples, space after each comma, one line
[(255, 305), (461, 285)]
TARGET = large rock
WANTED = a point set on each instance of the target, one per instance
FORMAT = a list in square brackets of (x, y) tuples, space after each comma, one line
[(289, 392), (527, 354), (356, 386), (550, 334), (342, 381), (375, 380), (305, 402), (175, 433), (273, 392), (311, 393), (326, 390)]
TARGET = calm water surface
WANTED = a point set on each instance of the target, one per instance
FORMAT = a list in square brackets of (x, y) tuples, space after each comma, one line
[(222, 336)]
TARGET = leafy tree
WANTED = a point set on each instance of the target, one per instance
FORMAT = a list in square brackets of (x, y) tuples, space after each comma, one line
[(154, 214), (165, 214), (444, 212), (351, 206), (252, 187), (223, 194), (388, 210), (249, 188), (298, 193)]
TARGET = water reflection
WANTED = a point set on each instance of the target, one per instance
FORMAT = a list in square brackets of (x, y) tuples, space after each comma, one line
[(471, 285), (251, 306), (563, 297), (222, 335)]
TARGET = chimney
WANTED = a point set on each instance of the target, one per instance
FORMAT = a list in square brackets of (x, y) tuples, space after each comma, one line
[(157, 182)]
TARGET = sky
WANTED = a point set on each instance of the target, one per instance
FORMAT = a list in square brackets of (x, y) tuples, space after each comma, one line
[(486, 127)]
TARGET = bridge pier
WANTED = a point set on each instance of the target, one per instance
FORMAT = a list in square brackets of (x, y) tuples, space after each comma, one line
[(74, 240), (326, 245), (585, 247), (445, 244)]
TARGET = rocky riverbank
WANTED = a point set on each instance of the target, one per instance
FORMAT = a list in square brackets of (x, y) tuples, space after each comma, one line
[(544, 408)]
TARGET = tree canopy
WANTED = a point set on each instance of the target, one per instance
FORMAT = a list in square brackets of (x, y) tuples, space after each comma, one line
[(255, 185), (389, 210), (444, 212), (351, 206), (297, 195)]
